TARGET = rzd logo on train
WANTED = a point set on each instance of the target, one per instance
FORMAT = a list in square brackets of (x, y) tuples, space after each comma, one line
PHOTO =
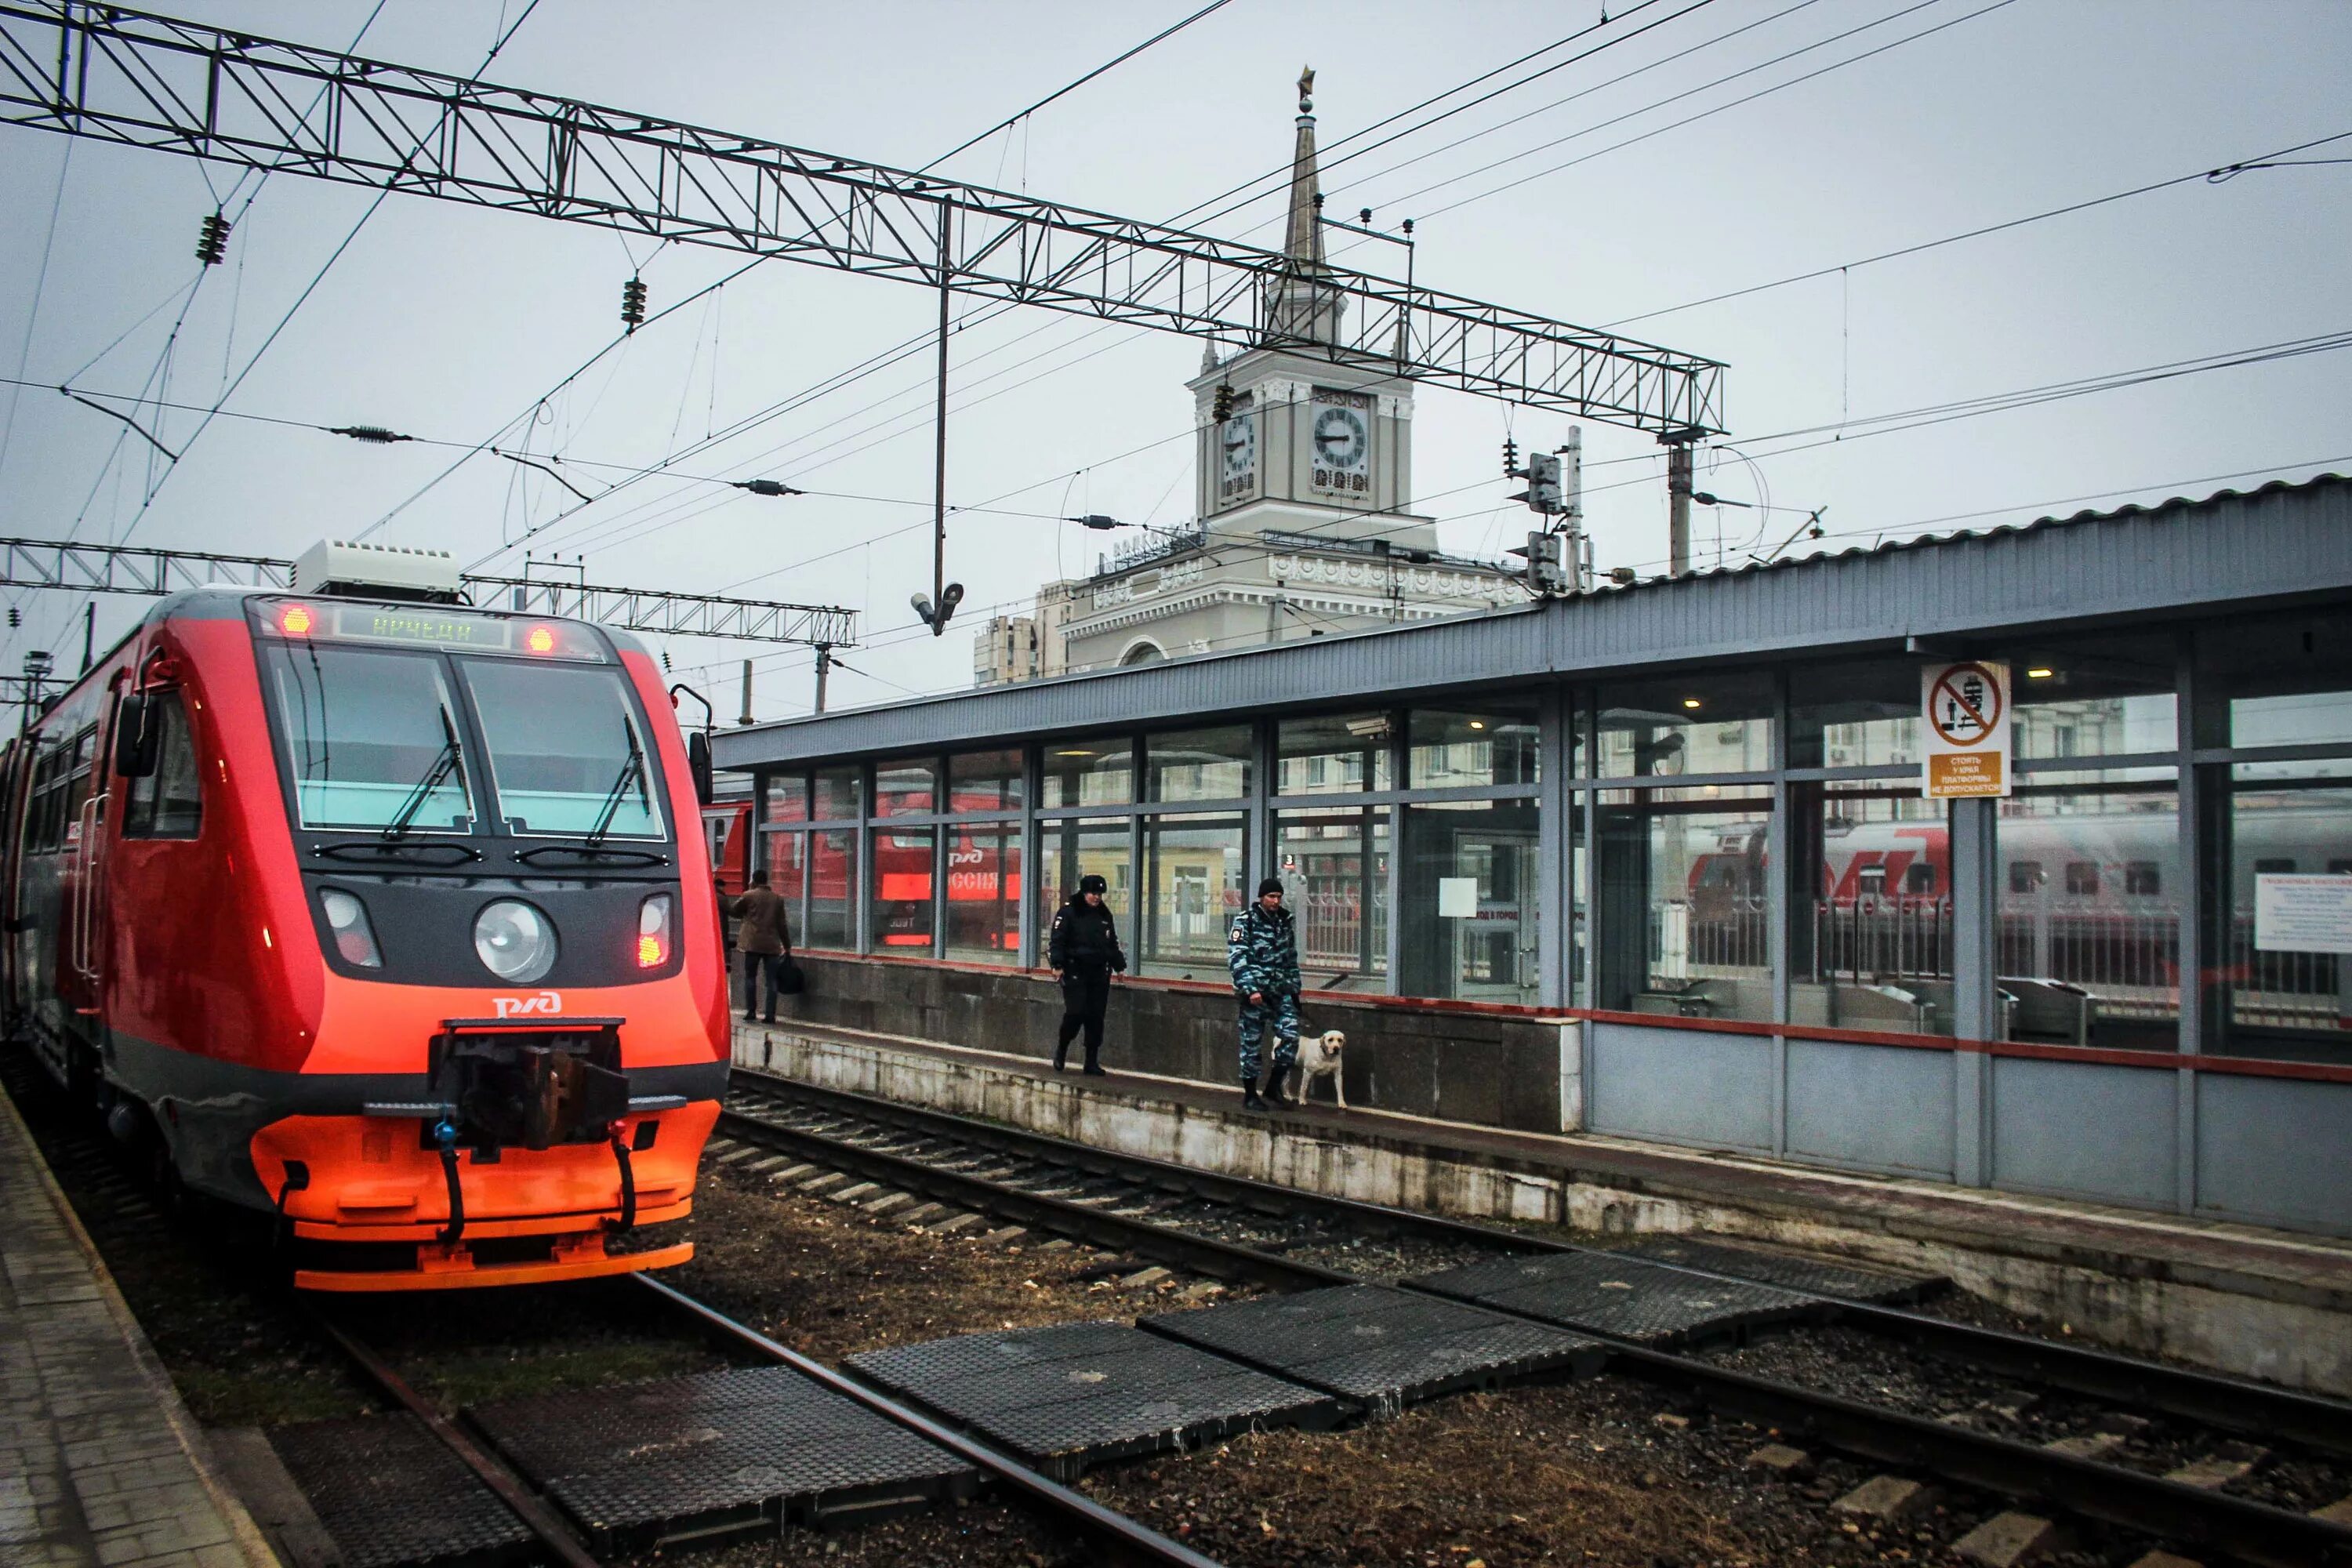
[(519, 1007)]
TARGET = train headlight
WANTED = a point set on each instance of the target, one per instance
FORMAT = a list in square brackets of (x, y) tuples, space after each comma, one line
[(515, 942), (348, 918), (653, 939)]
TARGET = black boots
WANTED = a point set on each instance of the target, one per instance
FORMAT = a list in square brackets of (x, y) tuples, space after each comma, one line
[(1093, 1067), (1274, 1095), (1250, 1101)]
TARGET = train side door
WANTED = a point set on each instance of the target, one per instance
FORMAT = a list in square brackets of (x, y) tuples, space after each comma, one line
[(89, 834)]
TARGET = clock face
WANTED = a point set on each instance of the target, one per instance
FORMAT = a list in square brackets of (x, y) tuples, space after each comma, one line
[(1343, 440), (1237, 438)]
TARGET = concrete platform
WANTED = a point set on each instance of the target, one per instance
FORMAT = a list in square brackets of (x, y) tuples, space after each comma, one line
[(100, 1462), (2235, 1297)]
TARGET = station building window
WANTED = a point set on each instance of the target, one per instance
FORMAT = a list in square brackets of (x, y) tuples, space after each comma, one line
[(983, 919), (1680, 902), (839, 794), (1334, 866), (898, 903), (787, 799), (1470, 902), (1202, 764), (832, 873), (787, 867), (2111, 698), (2084, 960), (1870, 937), (1099, 772), (1334, 753), (906, 788), (1071, 847), (1856, 715), (984, 781), (1497, 744), (1196, 865), (2286, 680), (2284, 838), (1691, 725)]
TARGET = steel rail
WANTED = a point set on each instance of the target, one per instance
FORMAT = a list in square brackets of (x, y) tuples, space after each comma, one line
[(509, 1485), (2256, 1531), (1199, 1255), (1121, 1538), (2230, 1404)]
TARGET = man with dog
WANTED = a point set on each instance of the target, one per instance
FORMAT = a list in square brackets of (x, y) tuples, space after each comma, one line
[(1261, 949)]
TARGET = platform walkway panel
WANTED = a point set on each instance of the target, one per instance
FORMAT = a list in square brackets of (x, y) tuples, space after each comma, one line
[(99, 1460)]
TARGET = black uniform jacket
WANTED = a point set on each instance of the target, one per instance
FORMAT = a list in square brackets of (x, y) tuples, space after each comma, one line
[(1085, 939)]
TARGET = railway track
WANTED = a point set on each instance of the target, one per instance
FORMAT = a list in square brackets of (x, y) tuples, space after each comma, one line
[(1238, 1230)]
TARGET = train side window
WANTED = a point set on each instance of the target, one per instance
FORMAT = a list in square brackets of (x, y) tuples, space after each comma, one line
[(168, 803), (1920, 877), (2275, 868), (2025, 876), (2143, 879), (2339, 868), (2083, 879)]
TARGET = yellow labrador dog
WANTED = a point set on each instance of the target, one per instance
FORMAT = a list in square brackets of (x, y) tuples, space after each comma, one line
[(1319, 1057)]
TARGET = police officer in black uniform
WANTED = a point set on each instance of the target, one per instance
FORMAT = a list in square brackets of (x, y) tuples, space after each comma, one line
[(1084, 952)]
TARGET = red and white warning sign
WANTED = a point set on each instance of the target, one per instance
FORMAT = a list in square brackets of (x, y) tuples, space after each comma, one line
[(1966, 710)]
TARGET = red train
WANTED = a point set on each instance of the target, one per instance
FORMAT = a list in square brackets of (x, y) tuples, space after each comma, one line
[(371, 912)]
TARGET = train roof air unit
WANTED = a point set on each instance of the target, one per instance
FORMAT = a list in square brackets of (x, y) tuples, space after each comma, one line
[(377, 572)]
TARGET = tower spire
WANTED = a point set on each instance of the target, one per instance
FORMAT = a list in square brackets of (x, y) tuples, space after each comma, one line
[(1300, 307)]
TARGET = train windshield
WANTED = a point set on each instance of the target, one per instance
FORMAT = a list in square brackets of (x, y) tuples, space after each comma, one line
[(566, 751), (372, 738)]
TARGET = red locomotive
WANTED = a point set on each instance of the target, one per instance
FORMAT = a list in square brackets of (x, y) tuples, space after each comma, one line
[(378, 913)]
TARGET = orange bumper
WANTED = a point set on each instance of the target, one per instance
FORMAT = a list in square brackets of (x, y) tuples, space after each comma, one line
[(453, 1268), (375, 1179)]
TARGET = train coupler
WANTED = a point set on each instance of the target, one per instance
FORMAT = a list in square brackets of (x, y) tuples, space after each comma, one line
[(441, 1266)]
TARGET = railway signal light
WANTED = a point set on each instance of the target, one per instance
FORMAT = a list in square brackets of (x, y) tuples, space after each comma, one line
[(212, 239), (633, 303)]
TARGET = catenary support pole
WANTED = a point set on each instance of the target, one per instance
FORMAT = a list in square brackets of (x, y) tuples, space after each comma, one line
[(1678, 505), (745, 718), (940, 453), (823, 668)]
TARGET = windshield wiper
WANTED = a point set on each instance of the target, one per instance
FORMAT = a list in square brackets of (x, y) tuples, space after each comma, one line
[(633, 767), (378, 851), (447, 760), (590, 852)]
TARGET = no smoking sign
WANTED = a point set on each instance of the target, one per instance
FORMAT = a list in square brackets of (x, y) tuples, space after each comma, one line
[(1966, 710)]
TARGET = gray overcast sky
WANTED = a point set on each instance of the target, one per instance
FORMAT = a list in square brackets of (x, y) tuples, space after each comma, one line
[(448, 322)]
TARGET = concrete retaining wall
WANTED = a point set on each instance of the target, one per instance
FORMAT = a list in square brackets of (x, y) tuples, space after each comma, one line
[(1488, 1069), (2246, 1325)]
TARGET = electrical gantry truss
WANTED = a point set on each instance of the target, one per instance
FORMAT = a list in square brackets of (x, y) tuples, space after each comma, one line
[(153, 81), (124, 569)]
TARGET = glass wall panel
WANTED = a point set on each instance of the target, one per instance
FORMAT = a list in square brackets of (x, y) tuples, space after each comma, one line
[(1088, 772), (1860, 714), (2284, 854), (1870, 934), (788, 875), (984, 894), (906, 788), (1072, 848), (787, 798), (1334, 866), (1337, 753), (898, 904), (1495, 744), (832, 863), (2090, 896), (984, 781), (839, 794), (2103, 698), (2287, 678), (1470, 902), (1691, 724), (1202, 764), (1681, 903), (1194, 867)]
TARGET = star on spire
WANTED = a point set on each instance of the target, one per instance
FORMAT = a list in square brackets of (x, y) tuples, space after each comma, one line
[(1306, 89)]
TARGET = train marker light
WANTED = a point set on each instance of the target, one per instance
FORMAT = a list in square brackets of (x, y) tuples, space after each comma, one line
[(653, 932), (540, 639), (2039, 674), (1690, 702), (347, 918), (296, 620)]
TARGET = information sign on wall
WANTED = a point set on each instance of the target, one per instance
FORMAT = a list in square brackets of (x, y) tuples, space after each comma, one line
[(2303, 914), (1966, 710)]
